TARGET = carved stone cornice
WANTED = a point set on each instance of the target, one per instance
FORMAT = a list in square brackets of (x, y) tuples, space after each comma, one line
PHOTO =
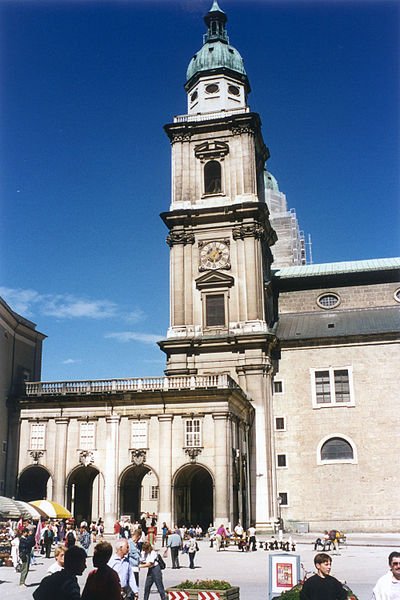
[(180, 137), (36, 456), (86, 458), (193, 453), (138, 456), (211, 149), (180, 237), (238, 130), (252, 230)]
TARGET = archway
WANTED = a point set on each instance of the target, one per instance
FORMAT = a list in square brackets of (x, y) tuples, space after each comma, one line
[(32, 483), (83, 485), (138, 492), (194, 497)]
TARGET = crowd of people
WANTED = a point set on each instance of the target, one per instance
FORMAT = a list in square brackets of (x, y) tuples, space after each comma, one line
[(115, 575), (116, 572)]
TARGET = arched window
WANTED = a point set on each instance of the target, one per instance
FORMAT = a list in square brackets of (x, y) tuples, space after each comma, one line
[(336, 449), (212, 177)]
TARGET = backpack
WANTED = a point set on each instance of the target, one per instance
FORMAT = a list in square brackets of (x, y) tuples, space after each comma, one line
[(161, 562)]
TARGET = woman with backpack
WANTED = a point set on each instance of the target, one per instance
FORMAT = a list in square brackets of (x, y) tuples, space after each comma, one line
[(191, 547), (151, 560)]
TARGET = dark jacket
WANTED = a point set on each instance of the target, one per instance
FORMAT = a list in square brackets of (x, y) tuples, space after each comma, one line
[(60, 585)]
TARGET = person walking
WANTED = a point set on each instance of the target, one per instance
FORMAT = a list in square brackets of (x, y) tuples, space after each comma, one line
[(63, 585), (192, 548), (174, 543), (26, 543), (251, 532), (388, 586), (84, 538), (48, 539), (120, 563), (103, 582), (322, 586), (149, 560), (134, 553), (164, 531)]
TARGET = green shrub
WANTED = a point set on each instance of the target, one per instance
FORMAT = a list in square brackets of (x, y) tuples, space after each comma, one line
[(204, 584)]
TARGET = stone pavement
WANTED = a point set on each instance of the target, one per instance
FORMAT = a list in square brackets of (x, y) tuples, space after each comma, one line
[(360, 563)]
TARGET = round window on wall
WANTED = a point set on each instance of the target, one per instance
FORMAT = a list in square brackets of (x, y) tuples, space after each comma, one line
[(212, 88), (397, 295), (193, 97), (232, 89), (336, 449), (328, 300)]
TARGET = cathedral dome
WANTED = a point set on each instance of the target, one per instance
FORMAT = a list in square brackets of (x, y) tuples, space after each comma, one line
[(270, 182), (216, 53)]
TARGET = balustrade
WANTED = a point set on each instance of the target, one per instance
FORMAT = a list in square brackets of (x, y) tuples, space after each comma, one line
[(140, 384)]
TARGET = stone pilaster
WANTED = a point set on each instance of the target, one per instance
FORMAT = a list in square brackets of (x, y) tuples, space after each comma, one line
[(222, 468), (60, 474), (165, 469), (111, 472)]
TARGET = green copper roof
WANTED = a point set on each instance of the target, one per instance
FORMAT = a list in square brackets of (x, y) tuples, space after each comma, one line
[(270, 182), (216, 52), (336, 268)]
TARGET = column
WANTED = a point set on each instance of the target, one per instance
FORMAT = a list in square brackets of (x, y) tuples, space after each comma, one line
[(261, 460), (60, 460), (111, 472), (165, 470), (222, 469)]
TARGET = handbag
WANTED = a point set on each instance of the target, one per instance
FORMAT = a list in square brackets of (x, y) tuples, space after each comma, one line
[(161, 562)]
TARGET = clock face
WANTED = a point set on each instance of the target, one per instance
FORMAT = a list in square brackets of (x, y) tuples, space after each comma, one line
[(214, 255)]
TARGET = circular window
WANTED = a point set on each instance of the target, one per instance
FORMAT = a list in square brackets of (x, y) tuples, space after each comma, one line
[(212, 88), (232, 89), (193, 96), (328, 300), (397, 295)]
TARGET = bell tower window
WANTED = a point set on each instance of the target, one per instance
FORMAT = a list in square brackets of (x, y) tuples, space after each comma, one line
[(215, 310), (212, 177)]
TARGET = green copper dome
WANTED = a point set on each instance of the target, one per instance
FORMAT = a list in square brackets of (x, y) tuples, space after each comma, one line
[(216, 54), (270, 182)]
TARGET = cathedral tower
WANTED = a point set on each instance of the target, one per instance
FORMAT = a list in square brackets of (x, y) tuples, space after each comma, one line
[(220, 236)]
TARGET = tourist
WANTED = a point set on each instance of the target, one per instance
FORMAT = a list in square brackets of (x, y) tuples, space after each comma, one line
[(103, 582), (149, 560), (58, 564), (63, 585), (322, 586), (191, 547), (26, 543), (174, 544), (120, 563), (388, 586)]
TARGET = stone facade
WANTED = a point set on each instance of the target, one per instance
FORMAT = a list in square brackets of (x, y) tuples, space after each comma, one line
[(21, 357), (356, 492), (139, 428)]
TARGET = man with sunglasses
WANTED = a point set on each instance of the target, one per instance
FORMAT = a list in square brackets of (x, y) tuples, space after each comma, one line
[(388, 586)]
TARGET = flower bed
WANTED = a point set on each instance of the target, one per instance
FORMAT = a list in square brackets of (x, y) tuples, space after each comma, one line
[(191, 589)]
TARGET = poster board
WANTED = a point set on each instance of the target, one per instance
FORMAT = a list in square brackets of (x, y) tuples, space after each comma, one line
[(283, 573)]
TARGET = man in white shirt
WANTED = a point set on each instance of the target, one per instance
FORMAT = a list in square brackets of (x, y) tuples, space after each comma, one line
[(388, 586), (120, 563)]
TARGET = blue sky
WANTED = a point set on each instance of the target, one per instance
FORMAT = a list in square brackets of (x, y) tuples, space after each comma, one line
[(85, 165)]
